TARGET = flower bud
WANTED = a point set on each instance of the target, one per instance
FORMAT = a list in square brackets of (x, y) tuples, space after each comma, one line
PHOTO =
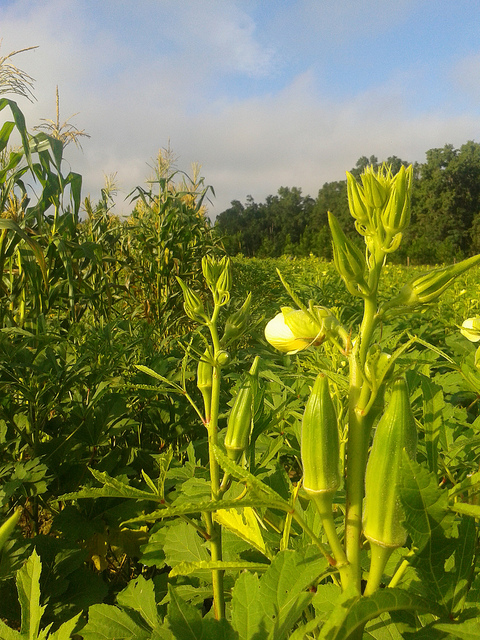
[(349, 260), (222, 358), (192, 304), (396, 215), (471, 329), (293, 330), (376, 187), (356, 201), (320, 445), (237, 322), (429, 286)]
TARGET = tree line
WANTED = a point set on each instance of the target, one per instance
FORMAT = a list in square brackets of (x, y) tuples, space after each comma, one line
[(445, 222)]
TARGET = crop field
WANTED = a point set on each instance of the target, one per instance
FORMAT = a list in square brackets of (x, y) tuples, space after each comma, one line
[(199, 447)]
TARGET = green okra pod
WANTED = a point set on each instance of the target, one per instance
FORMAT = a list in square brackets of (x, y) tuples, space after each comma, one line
[(204, 381), (320, 444), (396, 431), (240, 419)]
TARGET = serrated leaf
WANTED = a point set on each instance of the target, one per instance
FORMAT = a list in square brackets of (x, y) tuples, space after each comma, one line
[(139, 595), (112, 488), (28, 587), (9, 634), (273, 604), (65, 631), (466, 630), (353, 612), (186, 568), (217, 630), (183, 544), (433, 404), (244, 524), (183, 619), (250, 480), (107, 621), (247, 610), (465, 509), (464, 564), (207, 506), (425, 505)]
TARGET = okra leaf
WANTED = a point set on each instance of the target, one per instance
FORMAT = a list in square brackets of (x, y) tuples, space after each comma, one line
[(107, 621), (250, 480), (186, 568), (463, 564), (199, 507), (139, 595), (183, 544), (28, 587), (353, 612), (112, 488), (184, 620), (466, 630), (425, 505), (65, 631), (433, 404), (269, 607)]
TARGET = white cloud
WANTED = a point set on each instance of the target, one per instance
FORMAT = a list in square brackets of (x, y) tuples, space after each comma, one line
[(163, 73)]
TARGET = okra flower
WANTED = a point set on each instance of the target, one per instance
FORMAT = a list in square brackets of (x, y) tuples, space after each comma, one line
[(471, 329), (293, 330)]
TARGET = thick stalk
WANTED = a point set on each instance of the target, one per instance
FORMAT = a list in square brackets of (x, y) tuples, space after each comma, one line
[(358, 435), (213, 528)]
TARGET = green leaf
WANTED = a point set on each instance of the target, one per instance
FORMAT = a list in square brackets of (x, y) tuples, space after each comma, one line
[(464, 564), (9, 634), (425, 505), (183, 544), (274, 603), (106, 622), (28, 587), (353, 612), (184, 620), (139, 595), (433, 404), (247, 609), (186, 568), (112, 488), (65, 631), (198, 507), (466, 509), (466, 630)]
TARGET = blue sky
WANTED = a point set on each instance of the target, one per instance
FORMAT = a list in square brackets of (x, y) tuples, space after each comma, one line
[(262, 94)]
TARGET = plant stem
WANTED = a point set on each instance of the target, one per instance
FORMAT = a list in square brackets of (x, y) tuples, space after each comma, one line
[(213, 528), (379, 557)]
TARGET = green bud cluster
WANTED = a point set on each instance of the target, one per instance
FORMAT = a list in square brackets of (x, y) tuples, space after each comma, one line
[(381, 206), (395, 433), (320, 445), (218, 276)]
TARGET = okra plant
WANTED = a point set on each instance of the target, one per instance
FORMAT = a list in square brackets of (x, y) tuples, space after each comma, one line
[(374, 514)]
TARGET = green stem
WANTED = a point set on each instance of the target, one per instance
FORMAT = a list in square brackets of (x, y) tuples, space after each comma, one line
[(323, 502), (379, 558), (213, 528)]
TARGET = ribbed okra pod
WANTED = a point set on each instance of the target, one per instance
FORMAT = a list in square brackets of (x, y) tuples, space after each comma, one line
[(395, 432), (320, 447), (240, 419)]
